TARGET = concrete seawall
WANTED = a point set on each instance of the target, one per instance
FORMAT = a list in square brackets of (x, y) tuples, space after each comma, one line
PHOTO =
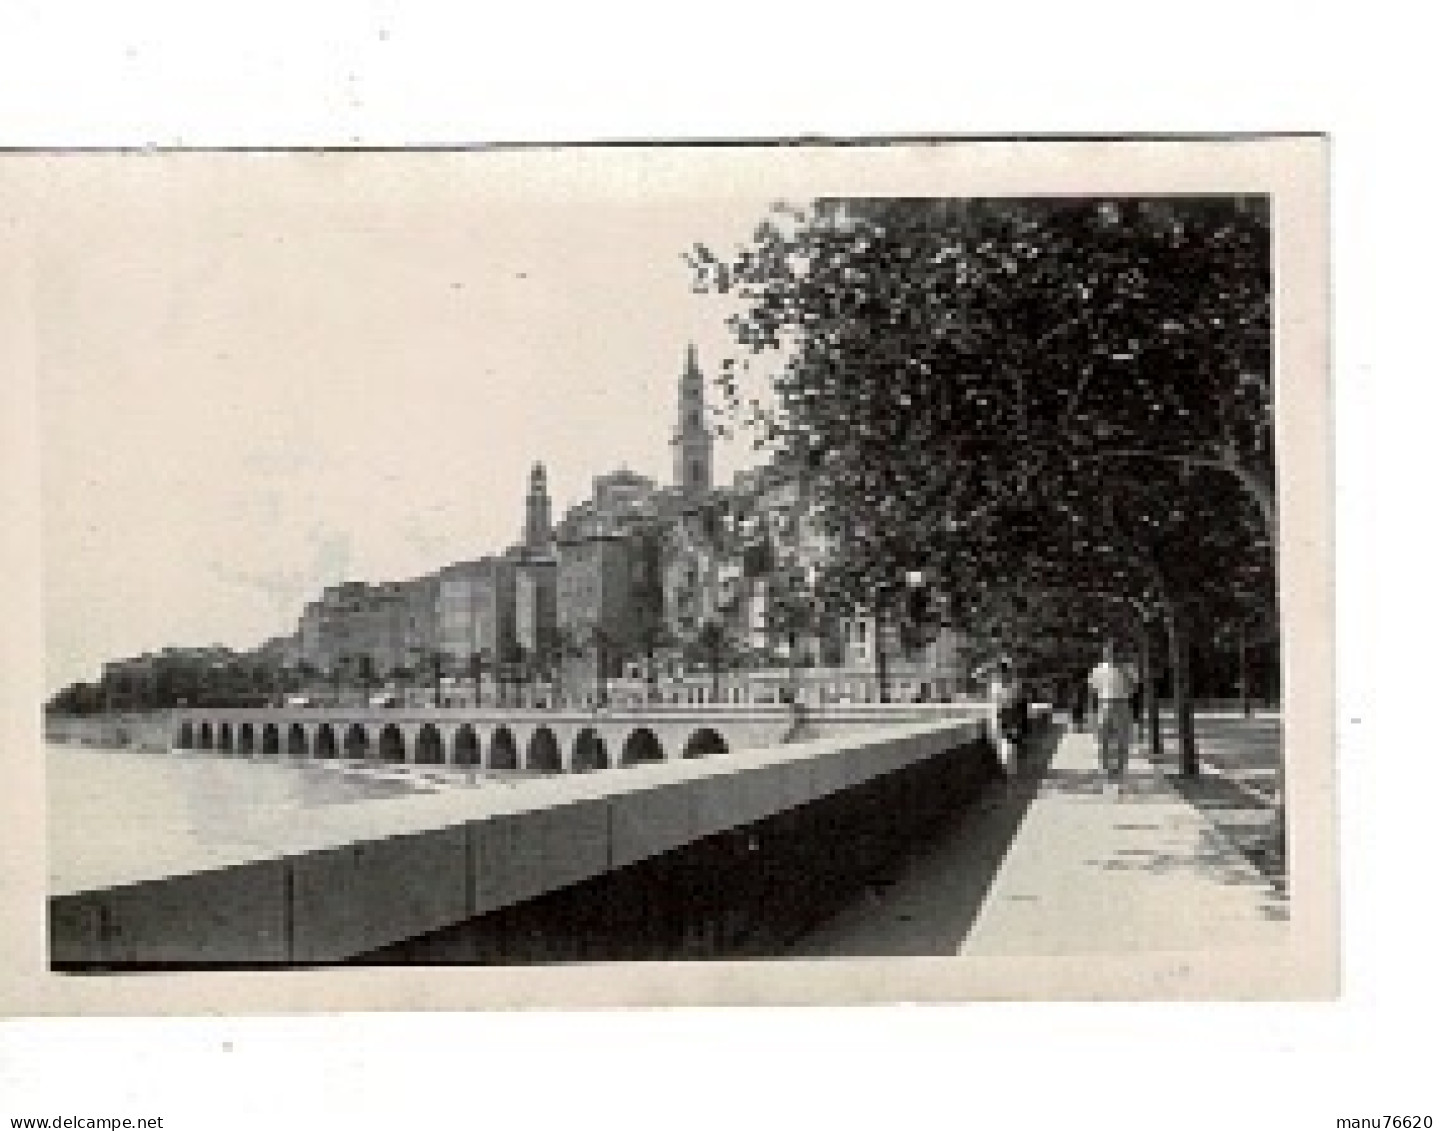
[(673, 859)]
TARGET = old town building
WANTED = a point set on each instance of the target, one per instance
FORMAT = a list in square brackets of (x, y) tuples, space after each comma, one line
[(638, 579)]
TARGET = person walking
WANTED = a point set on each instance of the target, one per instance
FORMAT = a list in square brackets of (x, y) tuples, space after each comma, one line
[(1008, 717), (1112, 685)]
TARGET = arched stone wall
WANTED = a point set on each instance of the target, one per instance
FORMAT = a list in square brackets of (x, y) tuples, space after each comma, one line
[(392, 744), (295, 741), (589, 752), (325, 743), (357, 745), (703, 744), (543, 752), (430, 747), (270, 739), (642, 745), (503, 750), (465, 746)]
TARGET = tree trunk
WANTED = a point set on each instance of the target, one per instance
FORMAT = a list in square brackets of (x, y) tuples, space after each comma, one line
[(1180, 643), (1242, 673), (1261, 494), (1153, 705), (1151, 714)]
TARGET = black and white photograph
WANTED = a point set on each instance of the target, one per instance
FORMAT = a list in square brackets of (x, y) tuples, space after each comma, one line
[(757, 560)]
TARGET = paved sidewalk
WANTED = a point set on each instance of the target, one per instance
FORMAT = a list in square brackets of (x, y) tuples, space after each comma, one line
[(1061, 869)]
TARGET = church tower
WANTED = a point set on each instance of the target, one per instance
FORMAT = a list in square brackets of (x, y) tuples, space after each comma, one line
[(693, 437), (538, 511)]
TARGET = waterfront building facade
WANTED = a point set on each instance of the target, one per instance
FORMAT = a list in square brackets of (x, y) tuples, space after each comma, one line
[(640, 581)]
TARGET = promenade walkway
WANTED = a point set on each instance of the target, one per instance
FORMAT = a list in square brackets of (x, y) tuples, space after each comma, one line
[(1061, 869)]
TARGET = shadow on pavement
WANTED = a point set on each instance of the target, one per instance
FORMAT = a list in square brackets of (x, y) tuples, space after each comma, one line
[(1241, 814), (1219, 863), (1247, 822), (931, 905)]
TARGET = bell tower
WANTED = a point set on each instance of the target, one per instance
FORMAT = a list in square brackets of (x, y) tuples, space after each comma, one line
[(693, 438), (538, 510)]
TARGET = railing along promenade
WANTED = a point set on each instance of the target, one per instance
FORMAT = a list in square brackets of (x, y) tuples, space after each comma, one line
[(728, 852)]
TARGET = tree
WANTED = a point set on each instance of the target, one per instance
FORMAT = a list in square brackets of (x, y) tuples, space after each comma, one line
[(478, 664), (366, 674), (511, 669), (790, 613), (436, 666), (713, 643), (654, 637), (973, 385), (76, 699), (402, 676), (553, 646), (580, 640)]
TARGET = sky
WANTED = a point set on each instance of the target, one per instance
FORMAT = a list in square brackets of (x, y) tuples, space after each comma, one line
[(261, 374)]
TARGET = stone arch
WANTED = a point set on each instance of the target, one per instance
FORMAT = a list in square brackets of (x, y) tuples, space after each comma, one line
[(392, 744), (704, 743), (642, 745), (465, 749), (295, 744), (186, 738), (503, 749), (206, 740), (543, 752), (325, 746), (589, 752), (245, 739), (270, 739), (225, 740), (430, 748), (357, 744)]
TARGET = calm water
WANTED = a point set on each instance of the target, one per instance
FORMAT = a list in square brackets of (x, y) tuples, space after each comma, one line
[(105, 804)]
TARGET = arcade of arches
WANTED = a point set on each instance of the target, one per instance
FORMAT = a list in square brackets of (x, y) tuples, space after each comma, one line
[(541, 750)]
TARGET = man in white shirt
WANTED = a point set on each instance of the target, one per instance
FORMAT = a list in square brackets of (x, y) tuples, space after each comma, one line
[(1112, 684)]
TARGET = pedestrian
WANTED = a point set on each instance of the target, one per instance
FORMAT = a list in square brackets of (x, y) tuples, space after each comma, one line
[(1008, 717), (1112, 685)]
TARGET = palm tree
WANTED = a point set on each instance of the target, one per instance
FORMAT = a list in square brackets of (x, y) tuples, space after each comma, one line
[(601, 641), (790, 613), (713, 643), (512, 662), (366, 673), (436, 664), (401, 676), (654, 637), (477, 664), (553, 646)]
